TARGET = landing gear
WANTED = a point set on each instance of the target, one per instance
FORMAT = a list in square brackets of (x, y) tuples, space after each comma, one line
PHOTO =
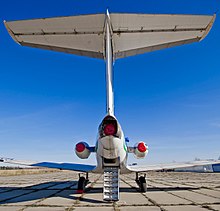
[(141, 182), (82, 182)]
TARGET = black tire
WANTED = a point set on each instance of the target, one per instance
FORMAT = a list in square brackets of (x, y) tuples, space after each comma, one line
[(82, 183), (143, 184)]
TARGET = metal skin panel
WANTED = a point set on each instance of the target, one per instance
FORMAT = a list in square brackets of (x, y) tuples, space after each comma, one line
[(137, 34), (146, 42), (66, 50), (80, 35), (111, 147), (142, 22), (79, 43), (72, 24), (62, 166), (109, 67), (170, 166), (132, 33), (152, 48)]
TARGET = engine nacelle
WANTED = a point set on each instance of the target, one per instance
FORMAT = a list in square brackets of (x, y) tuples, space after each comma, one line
[(82, 150), (140, 149)]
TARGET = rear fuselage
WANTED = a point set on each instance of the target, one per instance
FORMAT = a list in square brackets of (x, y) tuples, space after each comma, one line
[(111, 148)]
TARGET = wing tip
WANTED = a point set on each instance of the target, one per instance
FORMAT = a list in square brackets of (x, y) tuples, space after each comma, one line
[(11, 32), (209, 27)]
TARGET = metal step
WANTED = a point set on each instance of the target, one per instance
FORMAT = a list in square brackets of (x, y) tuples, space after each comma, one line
[(111, 184)]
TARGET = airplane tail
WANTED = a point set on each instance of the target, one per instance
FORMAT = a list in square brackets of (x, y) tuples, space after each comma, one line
[(131, 34)]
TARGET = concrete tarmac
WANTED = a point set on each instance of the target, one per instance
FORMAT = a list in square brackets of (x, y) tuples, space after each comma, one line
[(57, 192)]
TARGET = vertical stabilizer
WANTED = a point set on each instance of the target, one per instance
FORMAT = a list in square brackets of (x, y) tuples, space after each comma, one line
[(109, 66)]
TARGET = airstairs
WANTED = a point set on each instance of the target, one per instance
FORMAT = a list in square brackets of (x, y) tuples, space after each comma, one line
[(111, 184)]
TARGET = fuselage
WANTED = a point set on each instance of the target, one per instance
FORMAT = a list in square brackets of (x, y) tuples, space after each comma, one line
[(111, 148)]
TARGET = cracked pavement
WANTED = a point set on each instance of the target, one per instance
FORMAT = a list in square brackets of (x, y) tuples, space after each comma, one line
[(167, 191)]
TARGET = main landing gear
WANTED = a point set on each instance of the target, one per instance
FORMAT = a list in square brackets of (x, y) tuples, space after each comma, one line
[(141, 182), (82, 182)]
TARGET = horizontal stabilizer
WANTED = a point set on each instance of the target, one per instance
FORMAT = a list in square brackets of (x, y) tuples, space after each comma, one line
[(137, 34), (132, 34), (61, 166), (80, 35)]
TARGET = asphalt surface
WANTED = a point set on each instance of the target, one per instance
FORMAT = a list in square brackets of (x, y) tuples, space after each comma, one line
[(57, 192)]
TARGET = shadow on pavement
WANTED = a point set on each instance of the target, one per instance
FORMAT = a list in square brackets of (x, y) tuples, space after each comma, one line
[(64, 189)]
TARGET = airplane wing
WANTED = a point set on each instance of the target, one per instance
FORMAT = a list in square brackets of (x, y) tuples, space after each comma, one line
[(170, 166), (61, 166), (132, 34)]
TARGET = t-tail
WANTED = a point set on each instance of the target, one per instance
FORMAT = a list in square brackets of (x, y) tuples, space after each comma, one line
[(109, 37)]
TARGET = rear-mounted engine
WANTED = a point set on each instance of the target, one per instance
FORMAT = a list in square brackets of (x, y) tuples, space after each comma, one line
[(109, 127), (82, 150), (140, 149)]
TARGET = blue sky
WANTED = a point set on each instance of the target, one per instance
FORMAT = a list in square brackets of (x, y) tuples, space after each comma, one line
[(49, 101)]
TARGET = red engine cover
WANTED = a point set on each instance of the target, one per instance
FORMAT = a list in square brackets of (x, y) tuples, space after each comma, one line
[(142, 147), (80, 147), (109, 129)]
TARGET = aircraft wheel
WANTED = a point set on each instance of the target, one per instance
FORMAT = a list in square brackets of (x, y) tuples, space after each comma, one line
[(82, 183), (142, 184)]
